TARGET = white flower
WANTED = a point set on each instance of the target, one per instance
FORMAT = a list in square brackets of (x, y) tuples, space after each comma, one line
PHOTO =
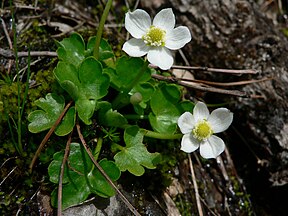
[(156, 39), (198, 130)]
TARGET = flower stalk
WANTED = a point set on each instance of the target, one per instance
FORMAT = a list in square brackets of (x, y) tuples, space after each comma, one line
[(18, 145), (100, 28), (98, 148), (155, 135)]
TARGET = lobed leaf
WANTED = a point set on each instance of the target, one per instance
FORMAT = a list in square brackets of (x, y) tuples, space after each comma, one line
[(109, 117), (72, 50), (52, 106), (126, 71), (86, 84), (134, 157), (166, 108)]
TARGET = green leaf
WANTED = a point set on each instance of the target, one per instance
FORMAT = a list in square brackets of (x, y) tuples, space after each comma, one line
[(67, 76), (72, 49), (85, 84), (134, 157), (81, 178), (99, 184), (67, 123), (105, 50), (127, 69), (94, 83), (52, 106), (109, 117), (166, 108)]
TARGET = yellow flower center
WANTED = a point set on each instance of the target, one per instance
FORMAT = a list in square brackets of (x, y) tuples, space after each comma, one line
[(202, 130), (155, 37)]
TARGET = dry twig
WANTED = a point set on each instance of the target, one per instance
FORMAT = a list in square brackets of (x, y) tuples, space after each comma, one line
[(9, 53), (9, 42), (25, 68)]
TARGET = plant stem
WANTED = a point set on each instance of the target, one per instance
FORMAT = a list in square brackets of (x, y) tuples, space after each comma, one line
[(156, 135), (19, 122), (98, 148), (118, 147), (100, 28), (116, 103), (10, 127), (27, 83), (135, 116)]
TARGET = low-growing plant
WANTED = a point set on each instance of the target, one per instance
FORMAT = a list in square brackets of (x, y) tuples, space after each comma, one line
[(125, 103)]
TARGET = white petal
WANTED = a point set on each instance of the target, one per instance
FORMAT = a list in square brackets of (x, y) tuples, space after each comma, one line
[(161, 57), (200, 111), (186, 122), (137, 23), (177, 38), (189, 143), (220, 119), (165, 19), (135, 47), (212, 148)]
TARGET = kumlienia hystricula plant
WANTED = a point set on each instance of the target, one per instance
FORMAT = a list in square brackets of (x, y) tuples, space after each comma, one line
[(155, 39), (198, 129), (82, 71)]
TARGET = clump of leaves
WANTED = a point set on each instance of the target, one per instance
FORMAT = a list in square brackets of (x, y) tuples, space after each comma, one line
[(100, 90), (81, 178)]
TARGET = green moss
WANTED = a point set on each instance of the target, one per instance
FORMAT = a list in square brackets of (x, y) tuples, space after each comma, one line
[(37, 37), (184, 206), (8, 148), (244, 203), (43, 82)]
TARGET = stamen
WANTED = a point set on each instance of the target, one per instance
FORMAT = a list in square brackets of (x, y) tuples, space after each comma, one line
[(202, 130), (155, 37)]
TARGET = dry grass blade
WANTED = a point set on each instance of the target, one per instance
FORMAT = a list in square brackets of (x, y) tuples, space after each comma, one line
[(200, 87), (66, 154), (217, 70), (7, 176), (243, 82), (47, 136), (197, 196), (124, 199)]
